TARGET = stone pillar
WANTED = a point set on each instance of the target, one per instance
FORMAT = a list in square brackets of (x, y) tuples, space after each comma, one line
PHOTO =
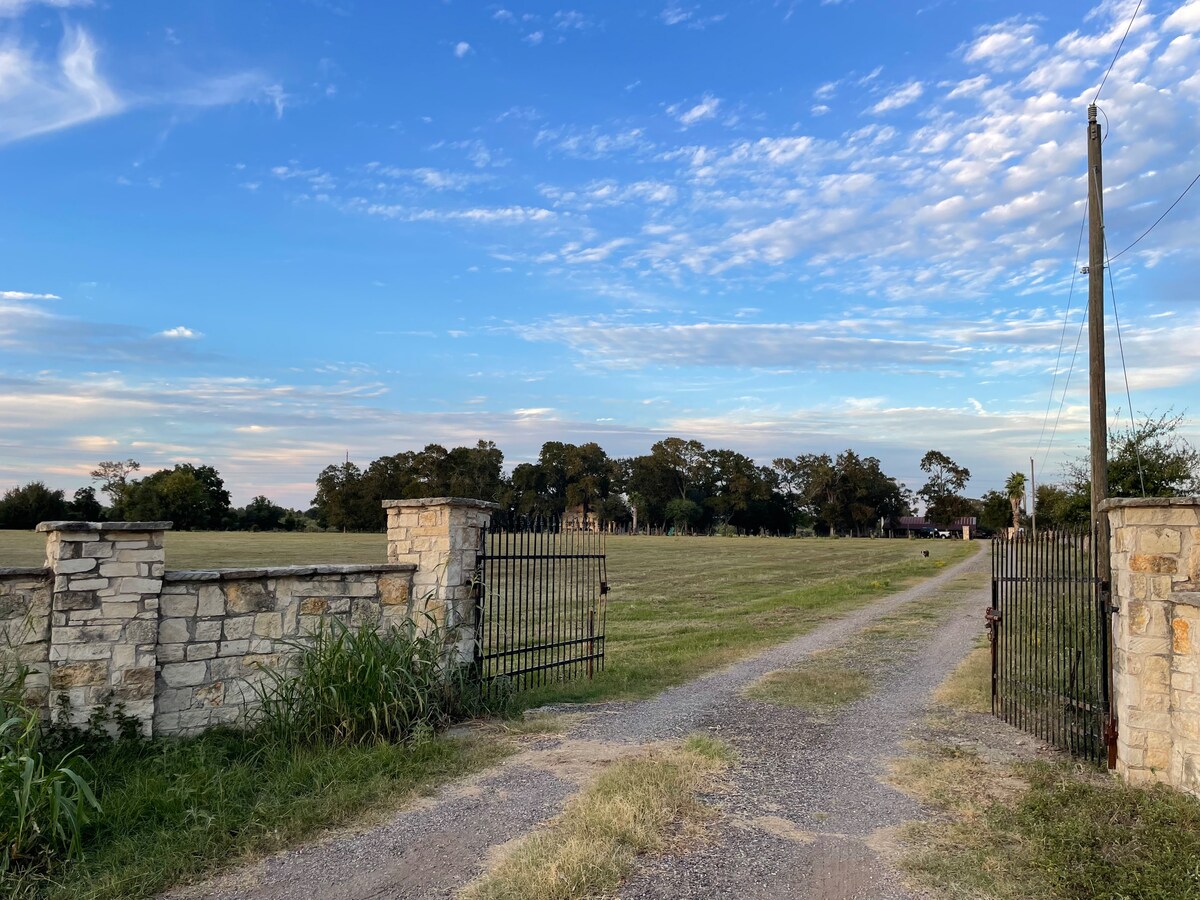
[(104, 616), (443, 537), (1156, 638)]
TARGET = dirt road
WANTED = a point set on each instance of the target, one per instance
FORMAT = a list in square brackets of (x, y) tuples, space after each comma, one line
[(804, 815)]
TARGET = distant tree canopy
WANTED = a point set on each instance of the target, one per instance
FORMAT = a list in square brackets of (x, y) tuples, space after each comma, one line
[(678, 485), (1150, 458), (24, 507)]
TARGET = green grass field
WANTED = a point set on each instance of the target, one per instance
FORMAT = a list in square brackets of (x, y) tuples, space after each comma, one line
[(679, 606)]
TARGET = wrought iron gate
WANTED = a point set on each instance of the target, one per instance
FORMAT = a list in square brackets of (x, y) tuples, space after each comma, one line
[(541, 605), (1050, 635)]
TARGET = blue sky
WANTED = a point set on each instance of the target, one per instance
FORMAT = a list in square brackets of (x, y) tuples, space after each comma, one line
[(259, 235)]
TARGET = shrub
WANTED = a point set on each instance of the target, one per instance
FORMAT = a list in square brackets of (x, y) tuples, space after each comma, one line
[(362, 686), (45, 805)]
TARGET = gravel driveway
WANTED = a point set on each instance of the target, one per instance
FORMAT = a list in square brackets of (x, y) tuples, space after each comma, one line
[(804, 814)]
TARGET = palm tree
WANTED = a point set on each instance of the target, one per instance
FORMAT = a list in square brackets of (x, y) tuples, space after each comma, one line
[(1015, 488)]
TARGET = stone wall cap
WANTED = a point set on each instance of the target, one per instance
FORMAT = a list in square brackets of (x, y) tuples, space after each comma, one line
[(286, 572), (440, 501), (25, 571), (1148, 502), (105, 526)]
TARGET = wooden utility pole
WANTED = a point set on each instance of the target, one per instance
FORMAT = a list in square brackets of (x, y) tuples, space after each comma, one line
[(1032, 499), (1099, 398)]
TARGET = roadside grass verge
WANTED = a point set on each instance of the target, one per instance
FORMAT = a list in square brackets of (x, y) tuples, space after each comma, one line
[(841, 675), (635, 806), (1018, 829), (176, 810)]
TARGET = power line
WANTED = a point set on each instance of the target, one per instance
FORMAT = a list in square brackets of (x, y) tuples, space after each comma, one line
[(1137, 452), (1118, 53), (1063, 336), (1160, 218), (1066, 386)]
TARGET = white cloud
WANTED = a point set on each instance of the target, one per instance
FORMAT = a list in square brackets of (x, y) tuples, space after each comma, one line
[(24, 295), (1186, 18), (13, 8), (37, 97), (690, 115), (180, 333), (900, 97), (461, 49)]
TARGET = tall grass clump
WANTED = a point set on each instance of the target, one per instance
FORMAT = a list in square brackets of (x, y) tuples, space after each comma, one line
[(44, 802), (364, 686)]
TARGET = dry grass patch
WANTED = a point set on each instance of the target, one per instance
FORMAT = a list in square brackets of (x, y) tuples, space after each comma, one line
[(1028, 830), (635, 806), (823, 681), (969, 686)]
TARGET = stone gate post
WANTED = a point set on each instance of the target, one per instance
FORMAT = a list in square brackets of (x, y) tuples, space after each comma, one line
[(443, 536), (1156, 638), (104, 616)]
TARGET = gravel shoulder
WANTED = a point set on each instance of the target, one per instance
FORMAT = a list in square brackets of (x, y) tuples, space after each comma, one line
[(804, 814)]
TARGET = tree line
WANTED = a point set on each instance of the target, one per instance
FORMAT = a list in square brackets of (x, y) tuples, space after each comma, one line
[(679, 485)]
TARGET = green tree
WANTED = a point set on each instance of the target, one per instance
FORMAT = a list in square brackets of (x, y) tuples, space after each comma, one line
[(113, 476), (683, 514), (85, 506), (26, 506), (260, 514), (941, 493), (994, 512), (192, 497), (1151, 458), (1014, 489)]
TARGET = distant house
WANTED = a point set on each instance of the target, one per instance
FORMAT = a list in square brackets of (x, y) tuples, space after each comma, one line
[(919, 526), (965, 526)]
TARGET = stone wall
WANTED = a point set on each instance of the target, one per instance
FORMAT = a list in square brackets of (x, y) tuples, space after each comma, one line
[(105, 624), (25, 627), (1156, 639), (219, 629)]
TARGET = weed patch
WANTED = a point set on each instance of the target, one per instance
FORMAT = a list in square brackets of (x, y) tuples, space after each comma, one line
[(635, 806), (823, 681)]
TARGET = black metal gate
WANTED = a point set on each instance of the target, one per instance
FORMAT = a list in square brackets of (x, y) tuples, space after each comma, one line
[(1050, 635), (541, 605)]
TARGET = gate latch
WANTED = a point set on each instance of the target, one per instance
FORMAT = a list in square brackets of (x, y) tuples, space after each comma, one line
[(993, 617)]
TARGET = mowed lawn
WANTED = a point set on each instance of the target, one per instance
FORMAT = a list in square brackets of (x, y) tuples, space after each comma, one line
[(679, 606)]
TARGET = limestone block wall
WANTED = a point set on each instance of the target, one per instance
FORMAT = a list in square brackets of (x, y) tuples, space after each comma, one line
[(104, 624), (25, 626), (1156, 639), (219, 629)]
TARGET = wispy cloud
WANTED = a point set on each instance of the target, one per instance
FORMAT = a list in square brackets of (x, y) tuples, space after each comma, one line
[(40, 96), (689, 115), (900, 97), (13, 8), (25, 295), (461, 49)]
